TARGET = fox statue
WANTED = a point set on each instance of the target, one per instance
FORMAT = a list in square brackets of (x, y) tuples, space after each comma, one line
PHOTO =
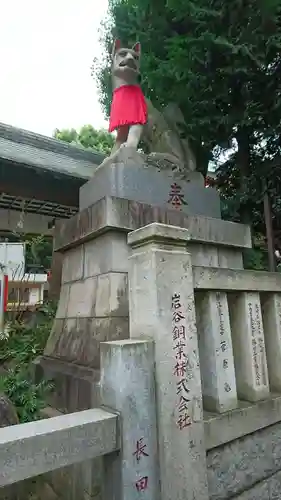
[(128, 113)]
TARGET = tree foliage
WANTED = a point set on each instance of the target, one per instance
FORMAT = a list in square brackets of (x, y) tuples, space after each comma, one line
[(88, 138), (18, 351), (220, 61)]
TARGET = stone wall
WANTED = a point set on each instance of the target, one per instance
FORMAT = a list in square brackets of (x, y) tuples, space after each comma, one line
[(248, 468)]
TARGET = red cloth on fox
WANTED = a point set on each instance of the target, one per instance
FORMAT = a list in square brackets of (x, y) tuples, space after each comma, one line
[(128, 107)]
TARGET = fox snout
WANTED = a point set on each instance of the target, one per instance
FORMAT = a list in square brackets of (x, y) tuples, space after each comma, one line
[(129, 62)]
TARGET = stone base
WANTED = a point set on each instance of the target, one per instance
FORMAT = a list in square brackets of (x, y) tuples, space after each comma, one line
[(76, 387), (126, 176)]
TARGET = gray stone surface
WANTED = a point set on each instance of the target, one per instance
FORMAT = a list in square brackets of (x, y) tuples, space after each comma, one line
[(35, 448), (79, 481), (160, 233), (128, 385), (130, 179), (247, 419), (124, 215), (73, 265), (270, 489), (203, 254), (248, 346), (99, 296), (76, 386), (271, 308), (235, 280), (238, 466), (107, 253), (231, 258), (77, 340), (258, 492), (215, 352), (162, 308)]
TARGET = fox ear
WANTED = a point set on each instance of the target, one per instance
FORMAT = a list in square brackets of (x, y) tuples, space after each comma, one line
[(116, 46), (137, 48)]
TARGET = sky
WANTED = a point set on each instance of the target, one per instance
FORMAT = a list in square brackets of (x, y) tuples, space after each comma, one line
[(46, 52)]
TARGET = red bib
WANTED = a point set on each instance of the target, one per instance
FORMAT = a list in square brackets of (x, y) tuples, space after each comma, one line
[(128, 107)]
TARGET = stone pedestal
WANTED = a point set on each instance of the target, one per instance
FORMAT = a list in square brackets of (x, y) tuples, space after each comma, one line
[(93, 305), (127, 176), (162, 308)]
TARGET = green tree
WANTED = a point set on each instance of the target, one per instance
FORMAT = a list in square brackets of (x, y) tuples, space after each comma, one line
[(87, 137), (220, 61)]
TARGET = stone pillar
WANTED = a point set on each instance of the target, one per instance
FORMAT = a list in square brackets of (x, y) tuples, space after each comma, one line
[(127, 385), (215, 350), (249, 347), (162, 308), (272, 333)]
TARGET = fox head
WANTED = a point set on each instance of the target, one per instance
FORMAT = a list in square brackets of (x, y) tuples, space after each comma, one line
[(126, 62)]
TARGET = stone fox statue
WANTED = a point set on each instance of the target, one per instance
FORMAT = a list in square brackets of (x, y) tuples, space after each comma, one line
[(128, 113)]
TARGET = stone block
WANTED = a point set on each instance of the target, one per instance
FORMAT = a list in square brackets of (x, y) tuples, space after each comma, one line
[(106, 253), (230, 258), (82, 298), (73, 264), (215, 352), (271, 306), (215, 256), (111, 214), (98, 296), (63, 302), (130, 179), (79, 340), (112, 295), (203, 255), (248, 346), (239, 465)]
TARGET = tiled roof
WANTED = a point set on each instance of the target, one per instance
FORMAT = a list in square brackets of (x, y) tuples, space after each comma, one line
[(35, 150)]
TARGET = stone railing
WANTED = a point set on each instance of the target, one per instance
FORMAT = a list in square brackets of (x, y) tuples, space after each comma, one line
[(35, 448), (128, 445), (216, 329), (238, 316), (191, 327)]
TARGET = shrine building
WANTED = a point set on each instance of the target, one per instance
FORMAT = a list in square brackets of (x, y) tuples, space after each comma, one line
[(40, 179)]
